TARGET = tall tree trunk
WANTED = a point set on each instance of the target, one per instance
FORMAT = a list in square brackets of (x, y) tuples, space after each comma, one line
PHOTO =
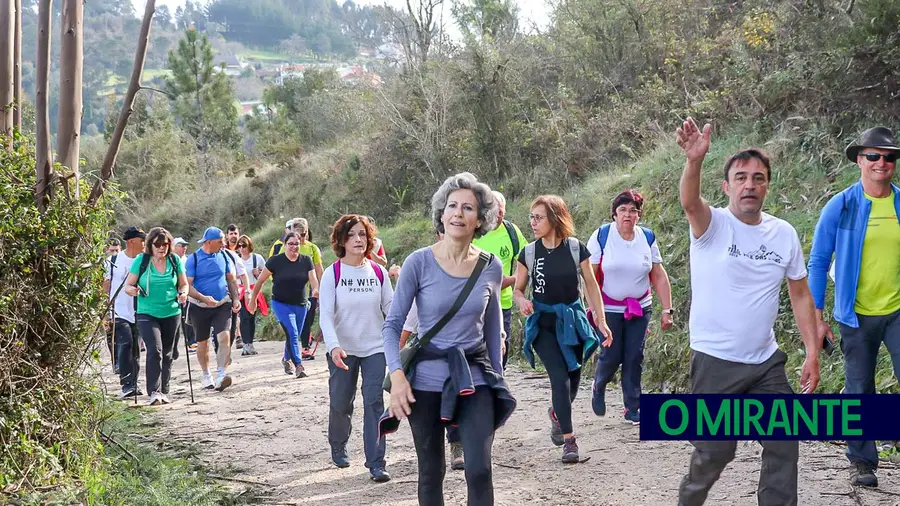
[(7, 28), (70, 81), (109, 162), (17, 77), (44, 166)]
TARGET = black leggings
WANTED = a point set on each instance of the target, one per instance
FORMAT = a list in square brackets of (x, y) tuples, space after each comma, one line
[(563, 383), (159, 335), (248, 326), (475, 415)]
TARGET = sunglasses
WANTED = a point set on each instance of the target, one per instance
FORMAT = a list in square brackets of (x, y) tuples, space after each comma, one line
[(874, 157), (161, 244), (239, 246)]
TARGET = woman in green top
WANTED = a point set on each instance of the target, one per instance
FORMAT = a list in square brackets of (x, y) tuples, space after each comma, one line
[(157, 280)]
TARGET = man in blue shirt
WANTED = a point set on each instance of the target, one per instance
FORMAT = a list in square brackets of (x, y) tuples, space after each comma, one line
[(213, 299), (859, 228)]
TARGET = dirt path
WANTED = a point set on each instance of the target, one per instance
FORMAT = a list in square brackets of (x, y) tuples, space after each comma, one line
[(278, 438)]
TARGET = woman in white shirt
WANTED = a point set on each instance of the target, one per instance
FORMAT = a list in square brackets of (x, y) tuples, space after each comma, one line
[(627, 263), (355, 294), (253, 264)]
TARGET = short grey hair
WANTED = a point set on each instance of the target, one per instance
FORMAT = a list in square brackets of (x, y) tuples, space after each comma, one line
[(488, 208)]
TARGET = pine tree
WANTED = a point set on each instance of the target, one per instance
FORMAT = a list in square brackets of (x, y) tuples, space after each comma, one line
[(204, 98)]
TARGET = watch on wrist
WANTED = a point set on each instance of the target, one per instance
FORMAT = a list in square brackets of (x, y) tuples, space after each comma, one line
[(668, 311)]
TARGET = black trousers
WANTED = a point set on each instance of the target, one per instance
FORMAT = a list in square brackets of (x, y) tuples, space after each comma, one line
[(475, 417), (563, 382)]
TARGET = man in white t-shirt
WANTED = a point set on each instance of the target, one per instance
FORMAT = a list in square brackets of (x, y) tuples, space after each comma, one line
[(128, 354), (739, 257)]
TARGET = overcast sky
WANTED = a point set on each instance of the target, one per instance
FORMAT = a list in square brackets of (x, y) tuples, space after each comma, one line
[(531, 12)]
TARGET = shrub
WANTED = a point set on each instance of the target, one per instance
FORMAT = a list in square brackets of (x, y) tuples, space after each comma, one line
[(50, 302)]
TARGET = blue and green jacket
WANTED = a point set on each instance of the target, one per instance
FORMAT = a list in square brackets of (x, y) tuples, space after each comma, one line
[(572, 331), (840, 233)]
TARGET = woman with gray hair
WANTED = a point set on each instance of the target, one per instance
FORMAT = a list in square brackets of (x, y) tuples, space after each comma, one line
[(455, 376)]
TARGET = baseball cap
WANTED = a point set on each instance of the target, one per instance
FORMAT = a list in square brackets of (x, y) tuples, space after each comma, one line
[(211, 234), (134, 233), (179, 240), (288, 223)]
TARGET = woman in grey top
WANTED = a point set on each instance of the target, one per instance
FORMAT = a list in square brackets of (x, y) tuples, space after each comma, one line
[(457, 379)]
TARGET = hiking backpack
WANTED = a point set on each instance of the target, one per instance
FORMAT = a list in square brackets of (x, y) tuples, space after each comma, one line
[(603, 236), (337, 273)]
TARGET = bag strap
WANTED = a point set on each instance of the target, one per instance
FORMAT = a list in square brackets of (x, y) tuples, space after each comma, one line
[(514, 239), (483, 259), (529, 258), (337, 272), (378, 273)]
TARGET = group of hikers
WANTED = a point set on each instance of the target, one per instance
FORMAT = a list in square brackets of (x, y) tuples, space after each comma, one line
[(448, 379)]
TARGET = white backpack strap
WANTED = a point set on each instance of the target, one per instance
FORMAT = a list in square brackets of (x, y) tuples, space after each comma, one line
[(529, 258), (575, 250)]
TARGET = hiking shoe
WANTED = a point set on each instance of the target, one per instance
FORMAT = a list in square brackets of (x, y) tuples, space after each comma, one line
[(246, 351), (239, 344), (570, 451), (556, 433), (340, 458), (633, 416), (598, 401), (128, 392), (207, 381), (862, 474), (300, 372), (307, 355), (223, 381), (155, 399), (252, 349), (165, 398), (288, 367), (379, 475), (457, 460)]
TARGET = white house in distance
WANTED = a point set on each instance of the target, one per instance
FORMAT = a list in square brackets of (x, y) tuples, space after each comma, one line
[(233, 66)]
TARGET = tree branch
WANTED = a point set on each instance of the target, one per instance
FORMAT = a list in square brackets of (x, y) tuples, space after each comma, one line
[(106, 171)]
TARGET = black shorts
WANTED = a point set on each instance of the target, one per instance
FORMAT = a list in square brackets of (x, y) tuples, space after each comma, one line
[(204, 318)]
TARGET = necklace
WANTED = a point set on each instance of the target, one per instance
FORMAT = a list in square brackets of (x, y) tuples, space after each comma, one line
[(550, 250)]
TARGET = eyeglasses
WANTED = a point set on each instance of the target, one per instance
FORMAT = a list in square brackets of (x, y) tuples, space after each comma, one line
[(874, 157), (535, 217), (161, 244), (624, 210), (297, 244)]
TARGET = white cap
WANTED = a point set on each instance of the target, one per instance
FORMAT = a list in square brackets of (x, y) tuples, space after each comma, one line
[(178, 241), (288, 223)]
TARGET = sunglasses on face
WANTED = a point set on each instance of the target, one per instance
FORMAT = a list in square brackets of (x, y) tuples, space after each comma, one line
[(239, 246), (161, 244), (874, 157)]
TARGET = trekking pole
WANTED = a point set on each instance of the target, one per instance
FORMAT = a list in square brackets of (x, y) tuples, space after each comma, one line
[(187, 358)]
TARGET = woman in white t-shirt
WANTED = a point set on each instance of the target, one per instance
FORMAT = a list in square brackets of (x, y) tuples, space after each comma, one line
[(627, 264), (354, 296), (253, 264)]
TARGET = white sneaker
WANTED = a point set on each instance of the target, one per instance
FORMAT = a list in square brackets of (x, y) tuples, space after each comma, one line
[(223, 381), (207, 381), (155, 399), (165, 398)]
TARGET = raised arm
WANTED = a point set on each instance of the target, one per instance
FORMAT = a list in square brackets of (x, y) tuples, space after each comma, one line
[(695, 144)]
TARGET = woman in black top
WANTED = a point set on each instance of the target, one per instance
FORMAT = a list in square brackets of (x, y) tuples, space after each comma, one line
[(290, 271), (557, 327)]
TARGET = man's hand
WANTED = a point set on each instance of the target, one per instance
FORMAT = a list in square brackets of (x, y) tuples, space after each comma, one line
[(394, 272), (822, 330), (235, 306), (809, 376), (692, 140), (211, 301)]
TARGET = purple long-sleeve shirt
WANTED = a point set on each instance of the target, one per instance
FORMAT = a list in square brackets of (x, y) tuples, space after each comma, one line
[(434, 291)]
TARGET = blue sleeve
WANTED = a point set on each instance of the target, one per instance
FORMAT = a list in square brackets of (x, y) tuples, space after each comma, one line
[(190, 266), (822, 250)]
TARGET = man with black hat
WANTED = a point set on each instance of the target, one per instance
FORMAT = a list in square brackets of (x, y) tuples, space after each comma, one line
[(128, 354), (859, 227)]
